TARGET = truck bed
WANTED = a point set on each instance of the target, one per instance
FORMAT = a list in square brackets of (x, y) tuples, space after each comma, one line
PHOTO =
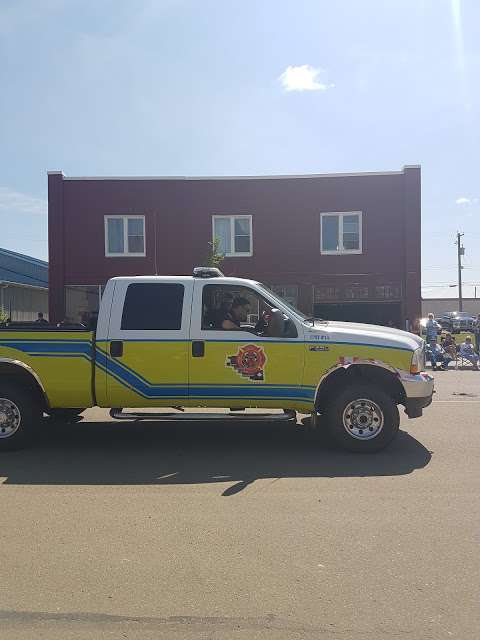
[(61, 358)]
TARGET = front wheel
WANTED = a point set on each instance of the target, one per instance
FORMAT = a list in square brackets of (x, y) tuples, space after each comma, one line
[(19, 415), (363, 418)]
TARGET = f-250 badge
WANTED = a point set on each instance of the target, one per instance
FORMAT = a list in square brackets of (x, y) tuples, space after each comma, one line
[(249, 362)]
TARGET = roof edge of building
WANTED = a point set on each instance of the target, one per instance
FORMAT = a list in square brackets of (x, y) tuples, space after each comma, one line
[(24, 257), (253, 177)]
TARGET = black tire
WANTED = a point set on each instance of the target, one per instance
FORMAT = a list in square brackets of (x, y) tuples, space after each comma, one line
[(380, 418), (27, 413), (64, 414)]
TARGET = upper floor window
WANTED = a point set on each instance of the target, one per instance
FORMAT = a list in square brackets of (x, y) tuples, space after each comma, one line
[(234, 234), (124, 236), (341, 232)]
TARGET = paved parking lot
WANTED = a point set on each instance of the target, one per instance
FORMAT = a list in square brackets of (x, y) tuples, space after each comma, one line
[(152, 531)]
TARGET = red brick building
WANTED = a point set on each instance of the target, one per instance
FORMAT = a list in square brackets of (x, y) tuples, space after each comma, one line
[(343, 246)]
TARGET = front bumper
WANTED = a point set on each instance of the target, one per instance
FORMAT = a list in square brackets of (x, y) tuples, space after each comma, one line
[(418, 391), (414, 406)]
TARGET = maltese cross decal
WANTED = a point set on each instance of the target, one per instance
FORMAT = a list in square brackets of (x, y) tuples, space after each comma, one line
[(249, 362)]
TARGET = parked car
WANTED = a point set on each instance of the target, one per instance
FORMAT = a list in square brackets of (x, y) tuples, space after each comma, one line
[(446, 320), (456, 321)]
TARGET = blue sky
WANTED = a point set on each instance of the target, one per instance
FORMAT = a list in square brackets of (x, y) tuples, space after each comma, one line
[(182, 87)]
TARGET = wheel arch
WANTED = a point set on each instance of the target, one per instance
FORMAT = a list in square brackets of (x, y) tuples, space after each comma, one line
[(17, 371), (376, 373)]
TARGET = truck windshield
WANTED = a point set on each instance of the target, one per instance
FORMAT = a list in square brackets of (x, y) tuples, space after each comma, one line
[(273, 296)]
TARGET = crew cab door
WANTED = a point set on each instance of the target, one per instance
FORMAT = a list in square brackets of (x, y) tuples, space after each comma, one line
[(146, 354), (240, 368)]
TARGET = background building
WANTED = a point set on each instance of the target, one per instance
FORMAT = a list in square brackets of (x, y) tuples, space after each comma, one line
[(23, 286), (344, 246)]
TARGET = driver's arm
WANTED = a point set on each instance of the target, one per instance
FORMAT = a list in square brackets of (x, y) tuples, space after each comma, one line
[(228, 325)]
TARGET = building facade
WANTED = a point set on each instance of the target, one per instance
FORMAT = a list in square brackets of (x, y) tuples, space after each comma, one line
[(339, 246), (23, 286)]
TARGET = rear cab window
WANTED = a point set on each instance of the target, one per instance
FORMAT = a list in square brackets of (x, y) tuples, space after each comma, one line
[(148, 309), (153, 307)]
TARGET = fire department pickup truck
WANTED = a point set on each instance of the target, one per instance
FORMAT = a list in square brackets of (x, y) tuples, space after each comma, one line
[(180, 342)]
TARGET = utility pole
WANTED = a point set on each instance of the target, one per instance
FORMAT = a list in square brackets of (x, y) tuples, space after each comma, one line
[(460, 253)]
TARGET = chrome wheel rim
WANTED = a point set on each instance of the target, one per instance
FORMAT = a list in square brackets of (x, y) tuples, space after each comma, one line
[(363, 419), (10, 418)]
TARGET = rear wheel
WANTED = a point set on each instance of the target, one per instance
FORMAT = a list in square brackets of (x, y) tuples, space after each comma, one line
[(363, 418), (19, 414)]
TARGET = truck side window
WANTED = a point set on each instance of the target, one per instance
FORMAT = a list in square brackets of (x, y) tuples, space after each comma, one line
[(153, 307), (218, 302)]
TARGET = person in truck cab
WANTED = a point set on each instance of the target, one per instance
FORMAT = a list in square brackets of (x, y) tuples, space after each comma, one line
[(237, 314), (218, 315)]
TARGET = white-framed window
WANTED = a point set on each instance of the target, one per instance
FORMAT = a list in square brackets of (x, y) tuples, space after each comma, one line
[(234, 234), (124, 236), (341, 232)]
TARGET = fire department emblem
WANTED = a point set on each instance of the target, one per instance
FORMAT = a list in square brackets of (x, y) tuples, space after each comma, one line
[(249, 362)]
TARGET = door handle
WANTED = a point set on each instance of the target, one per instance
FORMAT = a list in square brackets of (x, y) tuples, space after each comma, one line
[(116, 348), (198, 348)]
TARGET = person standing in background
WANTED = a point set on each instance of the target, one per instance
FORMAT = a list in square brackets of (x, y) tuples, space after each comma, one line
[(476, 332), (417, 327), (433, 328), (40, 319)]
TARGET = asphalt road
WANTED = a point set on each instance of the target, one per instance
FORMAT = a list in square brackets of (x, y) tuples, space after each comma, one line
[(219, 531)]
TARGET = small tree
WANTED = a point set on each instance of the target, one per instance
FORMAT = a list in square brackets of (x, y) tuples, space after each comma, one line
[(3, 316), (215, 256)]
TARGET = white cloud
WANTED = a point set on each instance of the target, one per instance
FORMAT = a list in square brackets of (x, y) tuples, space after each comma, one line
[(15, 202), (464, 200), (303, 78)]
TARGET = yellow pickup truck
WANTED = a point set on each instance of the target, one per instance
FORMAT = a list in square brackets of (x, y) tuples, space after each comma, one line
[(211, 341)]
